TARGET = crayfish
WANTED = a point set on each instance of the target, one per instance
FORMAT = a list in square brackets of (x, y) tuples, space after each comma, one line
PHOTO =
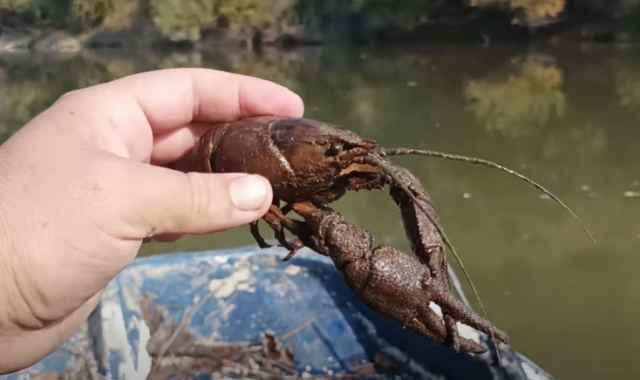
[(311, 164)]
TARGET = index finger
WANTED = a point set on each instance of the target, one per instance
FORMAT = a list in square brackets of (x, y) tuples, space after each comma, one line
[(141, 107), (173, 98)]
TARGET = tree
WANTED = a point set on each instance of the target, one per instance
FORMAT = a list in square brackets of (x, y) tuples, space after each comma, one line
[(534, 12), (91, 11), (182, 20), (19, 5), (251, 13), (108, 13)]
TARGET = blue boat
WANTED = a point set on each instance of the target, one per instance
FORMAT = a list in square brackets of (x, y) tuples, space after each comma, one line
[(243, 313)]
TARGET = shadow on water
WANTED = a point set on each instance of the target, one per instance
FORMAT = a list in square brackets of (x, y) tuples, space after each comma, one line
[(566, 116)]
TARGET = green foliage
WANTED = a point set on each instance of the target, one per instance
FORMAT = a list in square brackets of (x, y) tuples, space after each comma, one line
[(253, 13), (182, 20), (109, 13), (533, 12), (521, 103), (91, 11), (19, 5)]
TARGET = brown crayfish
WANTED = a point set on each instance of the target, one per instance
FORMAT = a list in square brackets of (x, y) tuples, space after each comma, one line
[(311, 164)]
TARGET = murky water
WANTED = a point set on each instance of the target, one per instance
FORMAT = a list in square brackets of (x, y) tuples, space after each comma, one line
[(566, 116)]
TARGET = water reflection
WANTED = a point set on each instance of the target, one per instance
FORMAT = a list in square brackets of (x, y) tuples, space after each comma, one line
[(627, 80), (567, 118), (521, 103)]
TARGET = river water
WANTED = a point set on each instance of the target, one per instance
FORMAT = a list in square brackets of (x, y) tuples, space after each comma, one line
[(567, 116)]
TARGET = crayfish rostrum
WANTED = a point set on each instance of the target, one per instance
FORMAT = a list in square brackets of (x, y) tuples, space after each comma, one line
[(310, 164)]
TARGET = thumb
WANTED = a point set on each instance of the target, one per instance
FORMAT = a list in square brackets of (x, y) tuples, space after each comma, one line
[(166, 201)]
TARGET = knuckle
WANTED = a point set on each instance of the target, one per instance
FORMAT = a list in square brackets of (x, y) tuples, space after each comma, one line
[(199, 195), (70, 94)]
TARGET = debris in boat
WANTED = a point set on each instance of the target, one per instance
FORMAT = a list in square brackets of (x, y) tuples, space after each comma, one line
[(292, 270), (178, 352), (225, 287), (46, 376)]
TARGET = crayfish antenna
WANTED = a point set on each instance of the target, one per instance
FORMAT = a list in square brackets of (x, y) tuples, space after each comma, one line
[(493, 165), (392, 172)]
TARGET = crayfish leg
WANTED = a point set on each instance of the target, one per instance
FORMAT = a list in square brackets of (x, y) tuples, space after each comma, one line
[(292, 246), (277, 220), (286, 208), (255, 232), (436, 262)]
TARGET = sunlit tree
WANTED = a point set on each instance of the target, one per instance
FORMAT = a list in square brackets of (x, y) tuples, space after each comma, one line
[(254, 13), (182, 20), (19, 5), (91, 11), (110, 13), (533, 12)]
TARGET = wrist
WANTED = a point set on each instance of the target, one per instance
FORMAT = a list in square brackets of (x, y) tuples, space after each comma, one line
[(16, 314), (19, 326), (6, 268)]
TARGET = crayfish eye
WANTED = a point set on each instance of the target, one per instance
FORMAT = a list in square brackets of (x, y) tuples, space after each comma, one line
[(334, 149)]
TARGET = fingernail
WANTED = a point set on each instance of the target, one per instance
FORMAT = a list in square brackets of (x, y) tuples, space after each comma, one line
[(248, 193)]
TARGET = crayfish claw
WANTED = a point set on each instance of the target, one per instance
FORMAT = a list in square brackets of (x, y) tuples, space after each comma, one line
[(468, 345), (292, 246), (447, 332), (452, 306), (453, 338)]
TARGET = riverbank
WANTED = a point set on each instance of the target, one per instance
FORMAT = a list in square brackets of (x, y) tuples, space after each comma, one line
[(484, 32)]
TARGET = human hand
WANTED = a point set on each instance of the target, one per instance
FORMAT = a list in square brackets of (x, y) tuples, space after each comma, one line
[(83, 184)]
